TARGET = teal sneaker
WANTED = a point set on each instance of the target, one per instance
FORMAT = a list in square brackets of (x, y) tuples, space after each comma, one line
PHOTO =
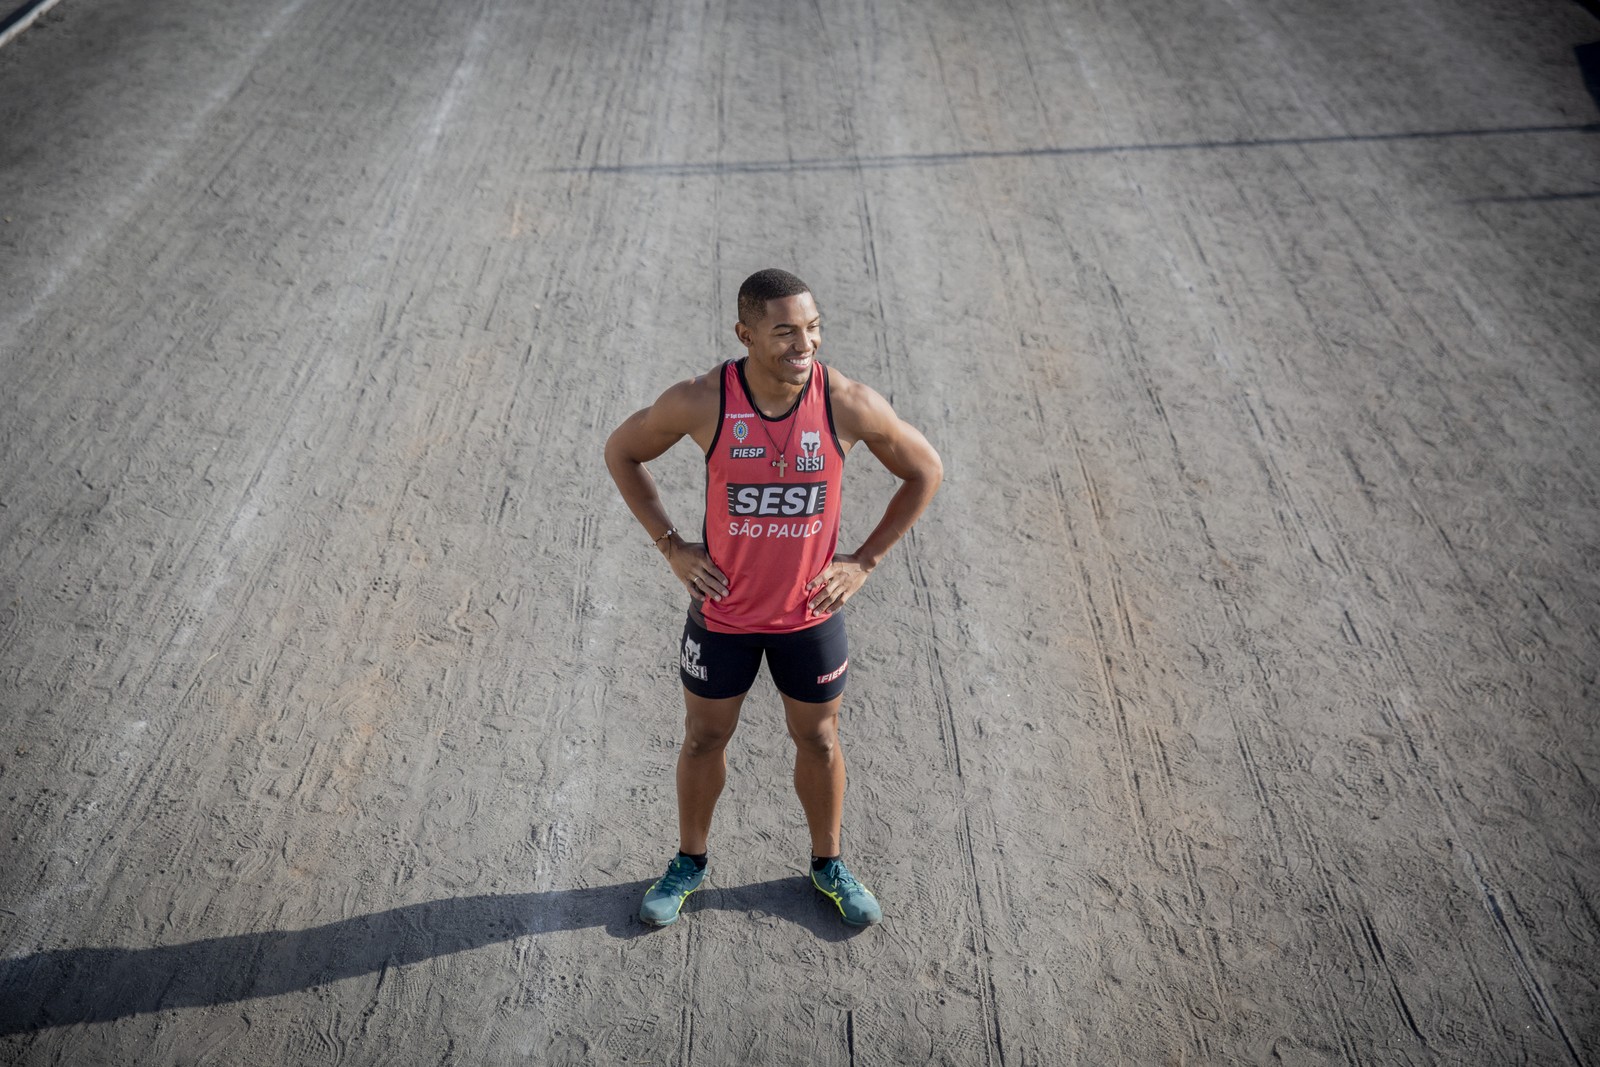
[(854, 900), (663, 900)]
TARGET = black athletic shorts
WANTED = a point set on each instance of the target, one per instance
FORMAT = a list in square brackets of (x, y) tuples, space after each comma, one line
[(808, 665)]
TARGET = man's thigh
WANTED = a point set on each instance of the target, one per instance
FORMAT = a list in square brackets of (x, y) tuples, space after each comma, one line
[(812, 723), (710, 722)]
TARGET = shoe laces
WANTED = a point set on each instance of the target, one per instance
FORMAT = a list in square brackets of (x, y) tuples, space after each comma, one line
[(678, 876), (841, 877)]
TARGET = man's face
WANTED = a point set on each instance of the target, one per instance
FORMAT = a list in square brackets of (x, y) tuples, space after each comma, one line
[(785, 341)]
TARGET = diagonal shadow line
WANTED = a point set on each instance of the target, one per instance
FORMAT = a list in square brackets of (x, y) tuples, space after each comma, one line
[(940, 159), (1533, 198), (23, 17), (84, 985)]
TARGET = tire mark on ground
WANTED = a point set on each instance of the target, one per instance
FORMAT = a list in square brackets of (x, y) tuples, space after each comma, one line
[(1522, 960), (994, 1045)]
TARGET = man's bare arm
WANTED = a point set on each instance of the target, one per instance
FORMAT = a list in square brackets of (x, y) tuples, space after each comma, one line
[(642, 437), (861, 414)]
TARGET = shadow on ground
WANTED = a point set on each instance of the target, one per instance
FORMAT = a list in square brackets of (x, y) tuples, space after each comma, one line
[(1588, 56), (81, 985)]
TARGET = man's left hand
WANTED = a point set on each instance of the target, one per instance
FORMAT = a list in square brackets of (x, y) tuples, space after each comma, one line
[(837, 583)]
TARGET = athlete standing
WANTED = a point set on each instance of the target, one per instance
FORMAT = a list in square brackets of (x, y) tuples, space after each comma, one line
[(768, 579)]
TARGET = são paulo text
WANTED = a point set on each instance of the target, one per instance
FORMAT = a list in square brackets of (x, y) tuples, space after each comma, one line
[(775, 529)]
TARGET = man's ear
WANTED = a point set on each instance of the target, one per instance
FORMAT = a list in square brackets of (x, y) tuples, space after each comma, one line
[(742, 332)]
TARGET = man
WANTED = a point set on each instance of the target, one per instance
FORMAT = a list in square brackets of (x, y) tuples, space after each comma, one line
[(768, 580)]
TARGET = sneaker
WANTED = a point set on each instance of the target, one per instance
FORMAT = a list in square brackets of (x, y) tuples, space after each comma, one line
[(663, 900), (855, 902)]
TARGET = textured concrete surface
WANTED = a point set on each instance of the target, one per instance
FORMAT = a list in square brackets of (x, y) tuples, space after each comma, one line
[(1234, 703)]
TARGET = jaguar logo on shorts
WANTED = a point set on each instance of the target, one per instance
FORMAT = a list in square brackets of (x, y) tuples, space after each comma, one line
[(690, 660)]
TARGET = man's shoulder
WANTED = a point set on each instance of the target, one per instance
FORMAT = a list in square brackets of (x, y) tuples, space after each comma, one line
[(699, 396), (701, 385), (857, 407)]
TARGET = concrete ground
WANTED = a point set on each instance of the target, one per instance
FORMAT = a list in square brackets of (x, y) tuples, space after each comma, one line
[(1235, 702)]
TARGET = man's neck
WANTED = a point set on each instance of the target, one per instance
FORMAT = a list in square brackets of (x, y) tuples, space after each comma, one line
[(771, 395)]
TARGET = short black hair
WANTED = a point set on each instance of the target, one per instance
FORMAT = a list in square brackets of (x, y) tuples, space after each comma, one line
[(764, 285)]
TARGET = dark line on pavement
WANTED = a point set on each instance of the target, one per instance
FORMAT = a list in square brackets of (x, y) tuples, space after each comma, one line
[(1538, 198), (22, 18), (1531, 983), (939, 159)]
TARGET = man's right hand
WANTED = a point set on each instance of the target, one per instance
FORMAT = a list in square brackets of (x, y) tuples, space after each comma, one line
[(692, 564)]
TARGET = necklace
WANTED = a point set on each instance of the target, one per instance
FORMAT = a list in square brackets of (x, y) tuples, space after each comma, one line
[(794, 412), (781, 463)]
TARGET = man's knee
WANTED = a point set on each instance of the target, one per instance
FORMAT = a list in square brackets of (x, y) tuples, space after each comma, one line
[(818, 738), (707, 725), (705, 739)]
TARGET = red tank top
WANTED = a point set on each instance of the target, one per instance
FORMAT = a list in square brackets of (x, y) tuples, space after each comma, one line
[(772, 506)]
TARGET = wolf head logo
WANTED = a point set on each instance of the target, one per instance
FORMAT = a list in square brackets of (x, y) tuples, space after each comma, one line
[(690, 660), (810, 441)]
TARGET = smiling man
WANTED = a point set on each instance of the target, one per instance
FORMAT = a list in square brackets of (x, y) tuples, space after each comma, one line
[(768, 579)]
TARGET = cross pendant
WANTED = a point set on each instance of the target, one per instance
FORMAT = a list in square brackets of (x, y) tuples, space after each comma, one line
[(782, 465)]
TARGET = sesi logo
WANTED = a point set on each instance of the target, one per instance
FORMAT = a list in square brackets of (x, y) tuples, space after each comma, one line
[(810, 461), (785, 500), (690, 660)]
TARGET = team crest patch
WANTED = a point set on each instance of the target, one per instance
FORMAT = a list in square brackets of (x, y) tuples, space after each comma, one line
[(690, 660), (740, 431), (811, 458)]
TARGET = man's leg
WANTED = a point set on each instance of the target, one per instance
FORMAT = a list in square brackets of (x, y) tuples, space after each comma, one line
[(819, 779), (702, 768), (703, 765), (818, 769)]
